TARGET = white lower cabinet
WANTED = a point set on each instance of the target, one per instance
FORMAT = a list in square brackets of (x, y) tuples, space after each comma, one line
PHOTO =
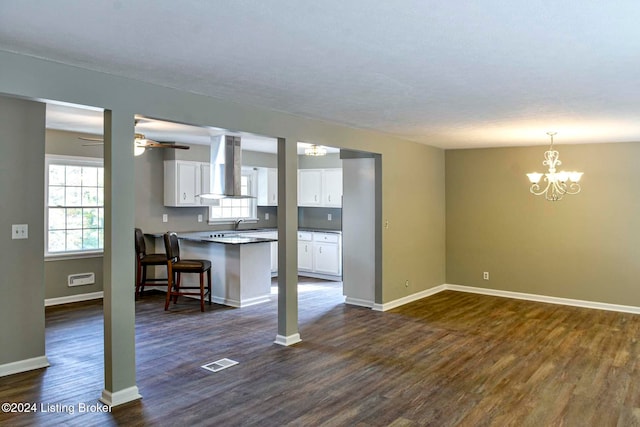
[(305, 251), (320, 253), (327, 254)]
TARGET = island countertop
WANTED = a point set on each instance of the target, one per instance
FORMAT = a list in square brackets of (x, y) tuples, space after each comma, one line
[(230, 237), (225, 238)]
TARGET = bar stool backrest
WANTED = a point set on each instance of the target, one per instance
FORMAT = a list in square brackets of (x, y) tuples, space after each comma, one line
[(172, 246)]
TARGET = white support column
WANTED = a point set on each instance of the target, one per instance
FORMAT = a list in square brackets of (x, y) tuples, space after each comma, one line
[(119, 303)]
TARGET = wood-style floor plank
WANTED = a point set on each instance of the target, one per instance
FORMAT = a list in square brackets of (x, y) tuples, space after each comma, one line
[(452, 359)]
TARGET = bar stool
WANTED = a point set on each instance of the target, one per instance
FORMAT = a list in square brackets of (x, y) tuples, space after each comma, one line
[(143, 260), (176, 266)]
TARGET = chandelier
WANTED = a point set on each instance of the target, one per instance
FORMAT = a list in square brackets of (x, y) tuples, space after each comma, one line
[(315, 150), (558, 183)]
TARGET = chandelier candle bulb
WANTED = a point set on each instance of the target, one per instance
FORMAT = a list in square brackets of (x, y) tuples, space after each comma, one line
[(558, 183)]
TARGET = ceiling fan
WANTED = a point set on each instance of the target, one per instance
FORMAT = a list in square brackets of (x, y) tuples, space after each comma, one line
[(141, 143)]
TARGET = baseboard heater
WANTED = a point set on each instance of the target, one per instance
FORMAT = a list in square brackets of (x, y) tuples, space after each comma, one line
[(81, 279)]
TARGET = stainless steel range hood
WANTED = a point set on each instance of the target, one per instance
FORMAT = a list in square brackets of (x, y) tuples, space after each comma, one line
[(226, 169)]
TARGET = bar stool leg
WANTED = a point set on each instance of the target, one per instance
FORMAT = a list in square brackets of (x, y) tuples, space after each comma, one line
[(209, 284), (202, 291), (169, 288)]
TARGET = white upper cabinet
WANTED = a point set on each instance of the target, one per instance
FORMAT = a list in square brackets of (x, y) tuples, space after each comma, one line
[(320, 187), (267, 187), (310, 187), (332, 187), (184, 181)]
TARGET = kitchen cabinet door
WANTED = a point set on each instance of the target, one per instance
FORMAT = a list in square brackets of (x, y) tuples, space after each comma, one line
[(309, 187), (326, 258), (332, 187), (267, 187), (181, 183), (305, 256)]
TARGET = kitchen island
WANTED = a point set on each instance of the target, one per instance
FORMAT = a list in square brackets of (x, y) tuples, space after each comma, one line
[(240, 265)]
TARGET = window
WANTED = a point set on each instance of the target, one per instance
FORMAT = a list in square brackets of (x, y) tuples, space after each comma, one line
[(232, 209), (74, 217)]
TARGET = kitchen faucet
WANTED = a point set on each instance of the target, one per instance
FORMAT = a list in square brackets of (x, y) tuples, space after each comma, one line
[(237, 223)]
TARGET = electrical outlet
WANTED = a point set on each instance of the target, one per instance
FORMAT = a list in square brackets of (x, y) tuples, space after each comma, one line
[(200, 218), (386, 224), (485, 275), (165, 218), (266, 216), (406, 284), (19, 231)]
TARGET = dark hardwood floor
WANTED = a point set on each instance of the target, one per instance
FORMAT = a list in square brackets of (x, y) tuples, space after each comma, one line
[(447, 360)]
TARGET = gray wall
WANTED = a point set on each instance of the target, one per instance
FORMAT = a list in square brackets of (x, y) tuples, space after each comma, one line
[(585, 246), (331, 160), (22, 261)]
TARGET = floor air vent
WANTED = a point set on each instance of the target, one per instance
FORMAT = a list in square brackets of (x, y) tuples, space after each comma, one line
[(219, 365)]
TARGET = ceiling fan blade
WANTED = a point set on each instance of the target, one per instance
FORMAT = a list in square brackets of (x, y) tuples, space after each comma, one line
[(154, 144)]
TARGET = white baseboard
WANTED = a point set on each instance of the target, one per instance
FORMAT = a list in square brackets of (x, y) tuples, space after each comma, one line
[(73, 298), (239, 304), (287, 340), (359, 302), (120, 397), (507, 294), (547, 299), (408, 298), (23, 365)]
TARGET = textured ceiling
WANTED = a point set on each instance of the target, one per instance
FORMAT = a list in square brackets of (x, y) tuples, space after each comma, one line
[(446, 73)]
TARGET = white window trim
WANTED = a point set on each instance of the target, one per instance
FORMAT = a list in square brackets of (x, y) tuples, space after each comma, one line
[(253, 173), (58, 159)]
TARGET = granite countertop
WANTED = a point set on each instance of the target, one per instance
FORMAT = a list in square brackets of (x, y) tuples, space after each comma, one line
[(231, 237), (227, 238)]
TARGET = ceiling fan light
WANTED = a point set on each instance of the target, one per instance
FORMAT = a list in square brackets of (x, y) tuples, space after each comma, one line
[(138, 150)]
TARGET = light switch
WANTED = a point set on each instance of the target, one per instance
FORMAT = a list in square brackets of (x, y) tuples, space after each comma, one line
[(19, 231), (165, 218)]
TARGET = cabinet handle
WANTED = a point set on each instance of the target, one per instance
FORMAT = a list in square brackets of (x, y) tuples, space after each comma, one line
[(305, 248), (315, 197), (329, 197), (184, 196), (320, 248)]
